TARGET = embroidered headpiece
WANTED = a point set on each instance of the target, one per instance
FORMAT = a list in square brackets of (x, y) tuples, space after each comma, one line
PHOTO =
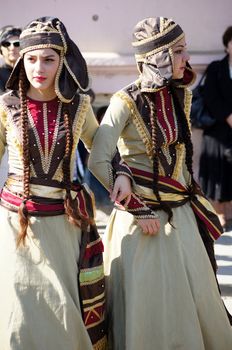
[(153, 35), (153, 39), (50, 32)]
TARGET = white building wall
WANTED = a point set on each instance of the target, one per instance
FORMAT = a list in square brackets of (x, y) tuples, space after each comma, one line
[(103, 30)]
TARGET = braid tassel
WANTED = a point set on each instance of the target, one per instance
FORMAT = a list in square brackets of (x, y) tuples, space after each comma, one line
[(70, 204)]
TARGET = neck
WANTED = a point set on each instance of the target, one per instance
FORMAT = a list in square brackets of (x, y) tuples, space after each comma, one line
[(10, 63), (41, 95)]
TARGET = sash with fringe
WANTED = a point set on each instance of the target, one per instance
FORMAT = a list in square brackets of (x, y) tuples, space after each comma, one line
[(175, 194), (91, 274)]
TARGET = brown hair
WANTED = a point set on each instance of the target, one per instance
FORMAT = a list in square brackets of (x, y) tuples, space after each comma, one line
[(70, 205), (227, 36), (186, 139), (23, 213)]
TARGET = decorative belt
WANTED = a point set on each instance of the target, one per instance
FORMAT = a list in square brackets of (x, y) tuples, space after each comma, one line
[(36, 207), (175, 194), (40, 206)]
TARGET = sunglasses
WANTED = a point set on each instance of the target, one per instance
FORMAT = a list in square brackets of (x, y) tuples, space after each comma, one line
[(8, 43)]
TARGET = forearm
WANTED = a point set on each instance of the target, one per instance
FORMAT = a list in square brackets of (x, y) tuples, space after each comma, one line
[(104, 161)]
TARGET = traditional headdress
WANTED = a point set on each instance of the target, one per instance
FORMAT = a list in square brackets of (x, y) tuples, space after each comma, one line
[(50, 32), (7, 32), (152, 42)]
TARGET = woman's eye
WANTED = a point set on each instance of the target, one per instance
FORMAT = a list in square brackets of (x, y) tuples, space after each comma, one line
[(178, 52)]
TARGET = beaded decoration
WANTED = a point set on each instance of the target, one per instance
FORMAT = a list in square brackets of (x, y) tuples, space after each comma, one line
[(46, 154)]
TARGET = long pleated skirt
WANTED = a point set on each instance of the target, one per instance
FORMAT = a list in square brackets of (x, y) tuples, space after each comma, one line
[(39, 299), (161, 290)]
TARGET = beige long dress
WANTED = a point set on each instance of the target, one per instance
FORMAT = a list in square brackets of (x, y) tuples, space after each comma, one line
[(39, 297), (161, 290)]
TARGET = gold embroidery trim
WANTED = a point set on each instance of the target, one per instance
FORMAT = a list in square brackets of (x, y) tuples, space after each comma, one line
[(138, 122), (187, 105), (101, 344), (41, 46), (79, 120), (142, 57), (156, 36), (180, 153)]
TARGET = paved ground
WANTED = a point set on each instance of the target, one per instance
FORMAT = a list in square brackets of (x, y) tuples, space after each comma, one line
[(223, 251)]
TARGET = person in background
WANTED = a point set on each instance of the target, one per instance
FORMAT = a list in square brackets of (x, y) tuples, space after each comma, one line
[(215, 171), (9, 50), (9, 53), (161, 288)]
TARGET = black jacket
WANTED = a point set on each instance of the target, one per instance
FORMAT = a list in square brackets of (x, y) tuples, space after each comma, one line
[(5, 71), (218, 98)]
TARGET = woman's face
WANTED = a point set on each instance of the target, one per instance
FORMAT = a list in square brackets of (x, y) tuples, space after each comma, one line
[(41, 66), (10, 50), (180, 57)]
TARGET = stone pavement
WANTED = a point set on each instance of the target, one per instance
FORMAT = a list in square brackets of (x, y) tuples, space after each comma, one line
[(223, 252)]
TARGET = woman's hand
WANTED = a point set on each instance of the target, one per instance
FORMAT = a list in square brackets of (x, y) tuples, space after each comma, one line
[(149, 226), (229, 120), (121, 190)]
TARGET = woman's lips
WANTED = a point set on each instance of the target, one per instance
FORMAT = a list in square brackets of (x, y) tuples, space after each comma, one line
[(40, 79)]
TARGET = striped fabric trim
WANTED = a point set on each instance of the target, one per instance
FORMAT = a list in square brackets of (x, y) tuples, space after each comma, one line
[(91, 275), (12, 202), (91, 279)]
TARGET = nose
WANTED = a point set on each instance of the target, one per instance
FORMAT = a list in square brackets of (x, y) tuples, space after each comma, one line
[(186, 56), (39, 66), (11, 47)]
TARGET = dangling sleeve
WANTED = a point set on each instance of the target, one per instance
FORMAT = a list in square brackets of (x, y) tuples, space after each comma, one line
[(89, 127), (2, 132), (103, 160), (105, 142)]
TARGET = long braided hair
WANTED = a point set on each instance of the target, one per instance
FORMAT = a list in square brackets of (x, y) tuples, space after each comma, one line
[(186, 137), (153, 121), (23, 212), (70, 205)]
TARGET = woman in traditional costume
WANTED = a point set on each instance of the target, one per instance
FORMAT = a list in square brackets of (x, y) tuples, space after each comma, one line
[(51, 272), (161, 287)]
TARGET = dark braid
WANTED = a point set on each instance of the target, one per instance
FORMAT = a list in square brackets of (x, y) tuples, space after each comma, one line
[(23, 213), (186, 138), (70, 205), (153, 120)]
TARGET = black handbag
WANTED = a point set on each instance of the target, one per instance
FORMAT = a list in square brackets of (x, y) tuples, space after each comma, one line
[(199, 115)]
